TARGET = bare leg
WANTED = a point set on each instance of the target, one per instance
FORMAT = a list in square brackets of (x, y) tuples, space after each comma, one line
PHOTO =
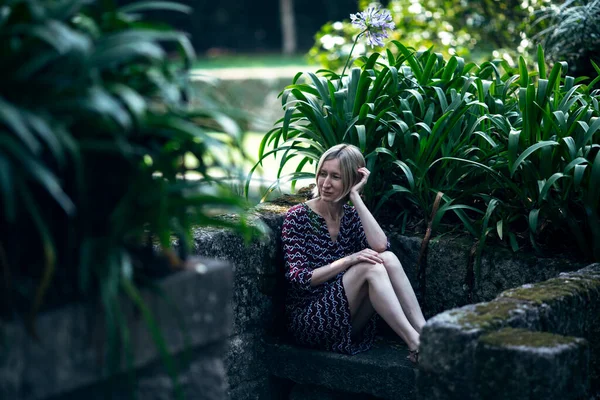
[(382, 297), (365, 311), (403, 290)]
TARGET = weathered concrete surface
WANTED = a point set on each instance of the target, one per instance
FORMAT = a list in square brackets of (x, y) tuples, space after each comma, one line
[(452, 342), (246, 359), (312, 392), (203, 375), (259, 287), (448, 263), (258, 389), (71, 352), (382, 371), (517, 364)]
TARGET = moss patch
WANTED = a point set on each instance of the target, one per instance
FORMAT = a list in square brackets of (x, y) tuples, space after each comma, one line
[(489, 315), (554, 289), (523, 337), (280, 205)]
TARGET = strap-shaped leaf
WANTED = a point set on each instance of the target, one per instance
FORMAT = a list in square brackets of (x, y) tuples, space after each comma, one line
[(530, 150)]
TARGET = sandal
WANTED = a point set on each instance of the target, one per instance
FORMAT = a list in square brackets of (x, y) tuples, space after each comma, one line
[(413, 356)]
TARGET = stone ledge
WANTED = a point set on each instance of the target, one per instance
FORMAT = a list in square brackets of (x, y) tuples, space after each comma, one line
[(383, 371), (453, 341), (505, 360), (72, 349)]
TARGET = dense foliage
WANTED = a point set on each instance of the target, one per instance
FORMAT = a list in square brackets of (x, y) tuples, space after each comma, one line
[(500, 151), (95, 127), (469, 28), (572, 34)]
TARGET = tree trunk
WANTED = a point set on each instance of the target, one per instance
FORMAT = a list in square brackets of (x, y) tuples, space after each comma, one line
[(288, 26)]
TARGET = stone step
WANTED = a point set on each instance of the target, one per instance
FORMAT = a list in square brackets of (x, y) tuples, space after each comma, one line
[(383, 371)]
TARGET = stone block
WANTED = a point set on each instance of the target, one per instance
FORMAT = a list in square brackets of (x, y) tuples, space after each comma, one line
[(258, 256), (258, 389), (516, 364), (383, 371), (312, 392), (447, 263), (245, 359), (252, 309), (570, 303), (72, 349), (200, 375), (449, 340)]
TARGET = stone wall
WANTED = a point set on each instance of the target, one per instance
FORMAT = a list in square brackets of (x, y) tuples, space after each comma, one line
[(448, 267), (258, 284), (68, 361), (537, 341)]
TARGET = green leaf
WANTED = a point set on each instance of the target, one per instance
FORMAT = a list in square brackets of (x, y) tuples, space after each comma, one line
[(533, 219), (578, 174), (500, 229), (39, 173), (530, 150), (524, 75), (482, 238), (155, 6), (7, 189), (593, 196), (548, 185), (12, 118), (541, 61), (513, 242), (407, 172), (155, 332), (389, 193), (362, 137)]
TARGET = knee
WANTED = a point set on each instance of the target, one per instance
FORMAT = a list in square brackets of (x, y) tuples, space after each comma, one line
[(390, 261), (375, 271)]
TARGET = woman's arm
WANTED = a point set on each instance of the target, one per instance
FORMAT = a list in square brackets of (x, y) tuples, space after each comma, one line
[(294, 232), (326, 272), (375, 235)]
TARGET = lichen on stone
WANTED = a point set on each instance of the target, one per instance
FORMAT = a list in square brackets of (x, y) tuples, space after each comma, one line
[(554, 289), (490, 315), (511, 337)]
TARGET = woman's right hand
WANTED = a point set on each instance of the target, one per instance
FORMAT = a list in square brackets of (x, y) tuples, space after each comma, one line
[(367, 255)]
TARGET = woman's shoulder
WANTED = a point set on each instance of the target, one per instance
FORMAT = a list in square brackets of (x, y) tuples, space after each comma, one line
[(296, 211)]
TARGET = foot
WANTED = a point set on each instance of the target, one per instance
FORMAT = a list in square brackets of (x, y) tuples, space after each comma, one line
[(413, 356)]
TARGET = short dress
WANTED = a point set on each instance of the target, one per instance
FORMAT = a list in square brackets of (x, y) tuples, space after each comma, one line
[(319, 316)]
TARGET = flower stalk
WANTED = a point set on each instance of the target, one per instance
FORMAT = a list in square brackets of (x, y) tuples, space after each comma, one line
[(376, 24)]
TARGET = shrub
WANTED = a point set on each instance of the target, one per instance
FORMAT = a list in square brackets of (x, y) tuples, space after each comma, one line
[(95, 128), (509, 152), (572, 34)]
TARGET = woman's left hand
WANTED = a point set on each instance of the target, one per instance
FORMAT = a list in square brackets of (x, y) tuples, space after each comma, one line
[(361, 184)]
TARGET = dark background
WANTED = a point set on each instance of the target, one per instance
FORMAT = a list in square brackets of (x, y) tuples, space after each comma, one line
[(252, 26)]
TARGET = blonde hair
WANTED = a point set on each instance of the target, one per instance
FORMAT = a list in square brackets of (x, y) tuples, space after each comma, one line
[(351, 159)]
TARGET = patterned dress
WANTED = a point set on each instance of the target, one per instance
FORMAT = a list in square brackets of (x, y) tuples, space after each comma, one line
[(319, 316)]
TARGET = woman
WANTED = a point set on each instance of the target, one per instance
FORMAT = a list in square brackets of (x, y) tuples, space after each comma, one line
[(340, 271)]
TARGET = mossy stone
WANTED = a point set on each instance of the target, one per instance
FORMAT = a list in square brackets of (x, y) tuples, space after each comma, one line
[(554, 289), (514, 337)]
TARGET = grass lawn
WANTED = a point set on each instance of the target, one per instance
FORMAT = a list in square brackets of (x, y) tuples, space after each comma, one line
[(249, 61)]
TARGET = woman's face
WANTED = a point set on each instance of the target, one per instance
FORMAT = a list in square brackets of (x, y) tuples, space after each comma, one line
[(329, 180)]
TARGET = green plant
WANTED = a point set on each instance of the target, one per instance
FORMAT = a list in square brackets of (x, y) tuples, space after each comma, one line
[(511, 153), (469, 29), (571, 33), (95, 124)]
